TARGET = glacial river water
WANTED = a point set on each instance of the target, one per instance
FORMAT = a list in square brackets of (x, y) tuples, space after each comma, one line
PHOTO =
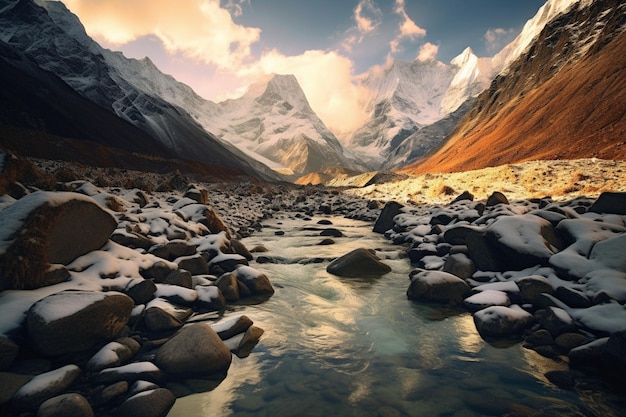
[(358, 347)]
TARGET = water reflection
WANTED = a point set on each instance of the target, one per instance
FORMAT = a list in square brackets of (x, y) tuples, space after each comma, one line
[(336, 346)]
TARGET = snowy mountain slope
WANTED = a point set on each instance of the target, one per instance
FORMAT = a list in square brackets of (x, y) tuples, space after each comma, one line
[(562, 99), (55, 39), (408, 96), (273, 121), (403, 98)]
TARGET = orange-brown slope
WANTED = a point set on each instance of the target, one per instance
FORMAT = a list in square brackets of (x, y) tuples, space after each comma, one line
[(578, 113)]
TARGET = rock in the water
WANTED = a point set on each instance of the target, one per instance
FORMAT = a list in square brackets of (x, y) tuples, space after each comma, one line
[(44, 386), (360, 262), (46, 228), (194, 350), (437, 286), (502, 321), (154, 403), (256, 282), (71, 404), (385, 219), (74, 321)]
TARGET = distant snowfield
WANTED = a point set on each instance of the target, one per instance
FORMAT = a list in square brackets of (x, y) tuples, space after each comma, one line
[(562, 180)]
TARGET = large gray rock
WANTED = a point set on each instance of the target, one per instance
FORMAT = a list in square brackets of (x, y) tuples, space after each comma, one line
[(196, 349), (45, 228), (610, 203), (154, 403), (498, 321), (71, 404), (437, 286), (360, 263), (74, 321), (515, 243), (44, 386), (385, 219)]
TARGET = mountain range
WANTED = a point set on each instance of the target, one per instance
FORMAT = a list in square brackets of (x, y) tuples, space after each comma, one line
[(470, 112)]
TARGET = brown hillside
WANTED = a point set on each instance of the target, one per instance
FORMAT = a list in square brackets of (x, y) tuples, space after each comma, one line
[(578, 113)]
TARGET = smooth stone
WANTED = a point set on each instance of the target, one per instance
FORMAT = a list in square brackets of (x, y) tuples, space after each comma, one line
[(358, 263)]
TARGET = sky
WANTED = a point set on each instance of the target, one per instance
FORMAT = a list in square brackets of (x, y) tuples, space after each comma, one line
[(219, 47)]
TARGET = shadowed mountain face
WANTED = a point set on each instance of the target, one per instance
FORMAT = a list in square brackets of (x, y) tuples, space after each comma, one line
[(563, 99), (53, 40)]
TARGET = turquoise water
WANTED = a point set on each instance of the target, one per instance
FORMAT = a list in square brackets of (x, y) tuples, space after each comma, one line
[(357, 347)]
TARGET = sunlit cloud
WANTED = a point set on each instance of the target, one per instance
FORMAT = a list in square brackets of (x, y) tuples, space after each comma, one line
[(496, 39), (428, 52), (327, 80), (200, 29), (367, 18), (408, 28), (220, 62)]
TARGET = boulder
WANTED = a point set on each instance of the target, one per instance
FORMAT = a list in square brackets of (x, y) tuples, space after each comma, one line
[(154, 403), (74, 321), (610, 203), (71, 404), (498, 321), (532, 286), (256, 282), (460, 264), (228, 286), (496, 198), (486, 299), (134, 371), (8, 352), (359, 263), (610, 253), (46, 228), (437, 286), (194, 350), (44, 386), (210, 298), (229, 328), (385, 219), (141, 290), (156, 319), (521, 241), (9, 384), (556, 320)]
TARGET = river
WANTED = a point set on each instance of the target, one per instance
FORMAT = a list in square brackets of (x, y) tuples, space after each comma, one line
[(358, 347)]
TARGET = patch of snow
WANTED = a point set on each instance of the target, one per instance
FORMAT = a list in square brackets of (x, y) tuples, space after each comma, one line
[(609, 318), (51, 310), (43, 381)]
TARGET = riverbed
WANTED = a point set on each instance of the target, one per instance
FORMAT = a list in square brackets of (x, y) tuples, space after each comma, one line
[(358, 347)]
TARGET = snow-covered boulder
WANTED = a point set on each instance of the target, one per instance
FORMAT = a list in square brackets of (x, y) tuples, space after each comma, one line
[(253, 282), (359, 263), (521, 241), (194, 350), (47, 228), (437, 286), (44, 386), (499, 321), (74, 321), (487, 298)]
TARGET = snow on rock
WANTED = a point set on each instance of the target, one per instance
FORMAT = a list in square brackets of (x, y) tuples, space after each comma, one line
[(437, 286), (605, 318), (486, 299), (45, 386), (47, 228), (501, 320), (74, 321)]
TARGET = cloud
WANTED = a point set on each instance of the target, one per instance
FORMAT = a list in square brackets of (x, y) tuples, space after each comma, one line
[(367, 18), (496, 39), (408, 28), (326, 77), (200, 29), (427, 52), (207, 49)]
